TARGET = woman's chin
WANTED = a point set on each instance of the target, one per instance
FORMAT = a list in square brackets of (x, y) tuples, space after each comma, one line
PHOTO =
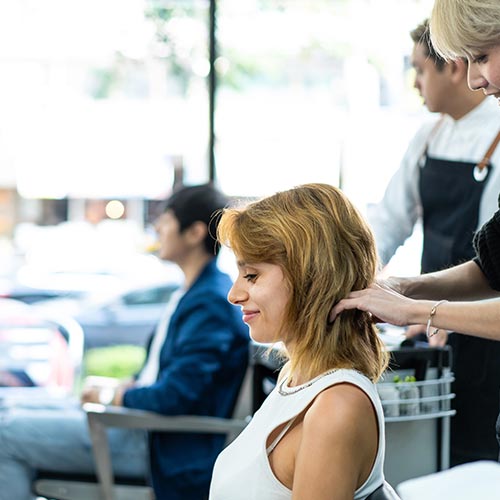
[(261, 339)]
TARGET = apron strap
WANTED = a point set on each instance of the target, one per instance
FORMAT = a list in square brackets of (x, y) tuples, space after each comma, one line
[(423, 154), (480, 166)]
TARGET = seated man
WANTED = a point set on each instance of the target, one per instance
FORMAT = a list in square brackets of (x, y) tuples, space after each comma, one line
[(196, 363)]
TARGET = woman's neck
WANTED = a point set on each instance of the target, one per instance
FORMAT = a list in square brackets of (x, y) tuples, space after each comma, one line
[(298, 375)]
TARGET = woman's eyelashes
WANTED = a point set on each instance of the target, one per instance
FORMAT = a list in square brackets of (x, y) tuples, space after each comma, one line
[(250, 277), (480, 59)]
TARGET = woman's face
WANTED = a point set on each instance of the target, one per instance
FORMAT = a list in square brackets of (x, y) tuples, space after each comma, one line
[(484, 72), (263, 295)]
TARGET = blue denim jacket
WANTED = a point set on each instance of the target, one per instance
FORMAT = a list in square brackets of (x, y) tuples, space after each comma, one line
[(202, 365)]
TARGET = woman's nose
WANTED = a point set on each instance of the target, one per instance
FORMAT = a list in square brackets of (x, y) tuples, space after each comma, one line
[(236, 294)]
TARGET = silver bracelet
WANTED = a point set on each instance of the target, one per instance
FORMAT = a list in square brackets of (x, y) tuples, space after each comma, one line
[(429, 321)]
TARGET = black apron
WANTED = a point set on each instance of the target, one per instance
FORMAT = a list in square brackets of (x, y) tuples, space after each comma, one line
[(450, 200)]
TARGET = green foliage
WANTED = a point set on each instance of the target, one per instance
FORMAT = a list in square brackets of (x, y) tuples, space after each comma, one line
[(105, 79), (119, 361), (176, 56), (176, 53)]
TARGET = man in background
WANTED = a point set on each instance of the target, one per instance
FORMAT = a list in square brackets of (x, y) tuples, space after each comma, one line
[(195, 366)]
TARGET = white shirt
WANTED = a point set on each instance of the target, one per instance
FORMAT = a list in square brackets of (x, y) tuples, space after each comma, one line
[(243, 472), (465, 140), (149, 373)]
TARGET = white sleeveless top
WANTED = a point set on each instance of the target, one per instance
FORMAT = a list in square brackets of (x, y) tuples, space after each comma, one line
[(242, 470)]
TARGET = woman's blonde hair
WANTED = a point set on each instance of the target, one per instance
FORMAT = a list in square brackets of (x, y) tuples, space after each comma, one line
[(464, 28), (325, 249)]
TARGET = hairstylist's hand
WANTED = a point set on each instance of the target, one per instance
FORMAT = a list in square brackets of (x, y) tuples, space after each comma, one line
[(394, 284), (381, 300)]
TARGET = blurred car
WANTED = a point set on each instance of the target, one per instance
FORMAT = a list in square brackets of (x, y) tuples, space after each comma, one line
[(37, 350), (34, 287), (125, 317), (31, 295)]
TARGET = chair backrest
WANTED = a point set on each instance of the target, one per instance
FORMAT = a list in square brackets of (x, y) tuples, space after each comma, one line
[(383, 492), (71, 330), (36, 349), (243, 405)]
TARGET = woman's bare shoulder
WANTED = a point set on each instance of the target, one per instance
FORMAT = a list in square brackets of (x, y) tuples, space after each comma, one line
[(339, 407), (339, 427)]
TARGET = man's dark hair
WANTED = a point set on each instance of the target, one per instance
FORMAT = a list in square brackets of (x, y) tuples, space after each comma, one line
[(422, 36), (198, 203)]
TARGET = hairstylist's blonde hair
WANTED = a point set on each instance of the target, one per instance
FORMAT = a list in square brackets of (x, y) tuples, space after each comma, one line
[(325, 250), (464, 28)]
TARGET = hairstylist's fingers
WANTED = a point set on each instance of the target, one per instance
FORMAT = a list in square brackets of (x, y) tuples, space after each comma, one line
[(335, 311), (350, 302), (357, 299)]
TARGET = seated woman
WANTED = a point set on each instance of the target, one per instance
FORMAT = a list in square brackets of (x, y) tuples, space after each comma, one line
[(320, 433)]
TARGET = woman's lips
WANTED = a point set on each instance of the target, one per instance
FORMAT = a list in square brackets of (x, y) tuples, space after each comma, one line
[(249, 315)]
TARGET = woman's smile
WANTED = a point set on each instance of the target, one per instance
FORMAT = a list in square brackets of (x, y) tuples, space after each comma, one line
[(249, 315)]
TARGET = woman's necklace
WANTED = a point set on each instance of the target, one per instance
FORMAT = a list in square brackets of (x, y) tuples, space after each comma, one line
[(284, 390)]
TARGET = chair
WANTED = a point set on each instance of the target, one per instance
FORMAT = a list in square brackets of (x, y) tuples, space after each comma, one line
[(103, 487), (383, 492), (38, 349)]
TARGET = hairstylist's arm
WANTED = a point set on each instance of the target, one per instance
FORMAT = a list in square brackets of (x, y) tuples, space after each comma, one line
[(476, 318), (463, 282)]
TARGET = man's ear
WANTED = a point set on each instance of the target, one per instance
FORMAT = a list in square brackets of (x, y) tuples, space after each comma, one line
[(458, 69), (196, 232)]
